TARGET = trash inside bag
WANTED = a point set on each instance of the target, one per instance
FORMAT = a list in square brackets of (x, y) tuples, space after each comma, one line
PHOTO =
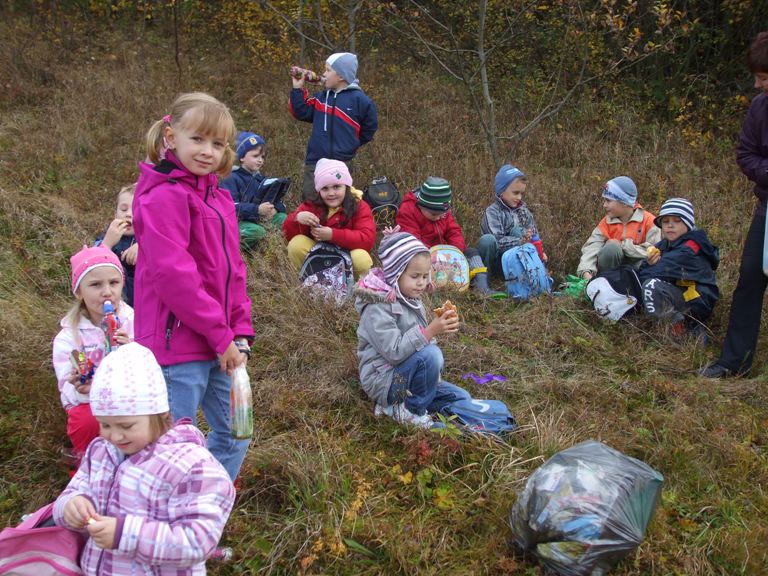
[(574, 286), (585, 509)]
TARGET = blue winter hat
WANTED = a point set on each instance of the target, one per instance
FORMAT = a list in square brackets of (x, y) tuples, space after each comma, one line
[(621, 189), (679, 207), (505, 176), (247, 141), (345, 64)]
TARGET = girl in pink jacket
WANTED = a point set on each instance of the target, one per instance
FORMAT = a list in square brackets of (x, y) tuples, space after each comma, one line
[(192, 310), (150, 497), (97, 276)]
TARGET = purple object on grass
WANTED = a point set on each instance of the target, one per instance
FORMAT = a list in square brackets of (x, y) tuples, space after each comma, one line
[(485, 378)]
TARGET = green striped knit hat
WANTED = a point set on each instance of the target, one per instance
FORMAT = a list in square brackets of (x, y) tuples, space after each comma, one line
[(434, 194)]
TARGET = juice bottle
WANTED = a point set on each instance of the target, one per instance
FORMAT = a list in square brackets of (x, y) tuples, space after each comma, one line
[(241, 404)]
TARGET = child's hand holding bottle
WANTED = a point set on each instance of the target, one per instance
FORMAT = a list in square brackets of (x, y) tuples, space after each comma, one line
[(232, 358)]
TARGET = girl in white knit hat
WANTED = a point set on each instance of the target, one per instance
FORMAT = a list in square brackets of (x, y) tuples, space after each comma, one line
[(149, 494)]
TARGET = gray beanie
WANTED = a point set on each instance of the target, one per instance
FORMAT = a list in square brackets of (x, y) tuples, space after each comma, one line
[(621, 189), (345, 64)]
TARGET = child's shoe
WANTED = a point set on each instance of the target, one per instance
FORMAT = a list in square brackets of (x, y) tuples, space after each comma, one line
[(480, 286), (221, 554), (380, 410), (402, 415)]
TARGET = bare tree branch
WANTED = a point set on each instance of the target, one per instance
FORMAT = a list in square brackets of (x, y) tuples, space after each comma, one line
[(293, 27)]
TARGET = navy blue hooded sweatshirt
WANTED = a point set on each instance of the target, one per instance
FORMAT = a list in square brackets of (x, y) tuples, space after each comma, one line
[(689, 263), (247, 193), (341, 121)]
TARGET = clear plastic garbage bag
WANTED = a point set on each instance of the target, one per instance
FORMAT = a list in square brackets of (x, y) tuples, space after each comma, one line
[(585, 509)]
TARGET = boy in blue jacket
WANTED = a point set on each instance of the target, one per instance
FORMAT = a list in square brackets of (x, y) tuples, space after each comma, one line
[(343, 117), (248, 186), (678, 277)]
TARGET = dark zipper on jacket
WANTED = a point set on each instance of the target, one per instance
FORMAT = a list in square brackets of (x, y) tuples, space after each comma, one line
[(168, 330), (224, 248), (332, 123)]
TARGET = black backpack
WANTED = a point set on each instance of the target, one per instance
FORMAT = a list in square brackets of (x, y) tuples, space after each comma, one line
[(384, 199), (327, 272)]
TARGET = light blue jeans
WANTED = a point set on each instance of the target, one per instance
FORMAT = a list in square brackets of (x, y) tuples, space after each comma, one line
[(193, 385), (417, 383)]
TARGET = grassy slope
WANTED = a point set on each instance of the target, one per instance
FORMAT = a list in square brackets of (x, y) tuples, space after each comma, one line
[(327, 488)]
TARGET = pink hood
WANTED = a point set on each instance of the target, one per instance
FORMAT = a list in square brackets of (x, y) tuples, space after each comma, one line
[(190, 293)]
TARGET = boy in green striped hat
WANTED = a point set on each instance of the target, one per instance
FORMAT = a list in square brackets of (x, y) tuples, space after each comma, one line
[(426, 213)]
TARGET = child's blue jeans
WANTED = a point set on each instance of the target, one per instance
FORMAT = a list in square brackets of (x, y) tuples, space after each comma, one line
[(417, 383), (193, 385)]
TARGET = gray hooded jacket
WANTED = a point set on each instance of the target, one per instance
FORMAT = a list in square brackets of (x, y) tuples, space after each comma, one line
[(387, 335)]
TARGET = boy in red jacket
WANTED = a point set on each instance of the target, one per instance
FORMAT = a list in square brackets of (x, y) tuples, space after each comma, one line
[(426, 213)]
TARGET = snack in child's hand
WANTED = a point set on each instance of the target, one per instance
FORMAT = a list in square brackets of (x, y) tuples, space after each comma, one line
[(652, 251), (91, 520), (447, 305)]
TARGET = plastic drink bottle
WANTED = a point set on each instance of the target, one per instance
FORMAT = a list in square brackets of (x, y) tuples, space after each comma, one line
[(536, 241), (241, 404), (309, 75), (110, 323)]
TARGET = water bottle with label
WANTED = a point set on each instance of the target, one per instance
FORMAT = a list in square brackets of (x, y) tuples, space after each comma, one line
[(110, 323), (536, 241), (241, 404)]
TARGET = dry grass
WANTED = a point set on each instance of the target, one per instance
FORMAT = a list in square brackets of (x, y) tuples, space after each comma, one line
[(328, 489)]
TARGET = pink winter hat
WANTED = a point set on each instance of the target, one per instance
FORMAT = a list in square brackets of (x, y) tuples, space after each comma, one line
[(329, 172), (129, 382), (88, 259)]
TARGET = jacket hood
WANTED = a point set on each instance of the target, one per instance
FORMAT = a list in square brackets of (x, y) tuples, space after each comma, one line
[(170, 168), (183, 431), (707, 249), (373, 289)]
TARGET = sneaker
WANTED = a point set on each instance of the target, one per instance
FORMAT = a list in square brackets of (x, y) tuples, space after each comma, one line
[(402, 415), (221, 554), (715, 370), (380, 410)]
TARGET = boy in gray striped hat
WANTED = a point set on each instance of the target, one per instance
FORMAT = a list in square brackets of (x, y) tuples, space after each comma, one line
[(399, 360), (678, 276)]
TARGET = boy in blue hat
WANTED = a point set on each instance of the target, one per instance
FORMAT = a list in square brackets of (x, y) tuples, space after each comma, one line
[(623, 236), (343, 117), (248, 186), (508, 222)]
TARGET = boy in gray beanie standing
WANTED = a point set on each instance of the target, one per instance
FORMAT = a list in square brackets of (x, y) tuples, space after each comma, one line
[(343, 117)]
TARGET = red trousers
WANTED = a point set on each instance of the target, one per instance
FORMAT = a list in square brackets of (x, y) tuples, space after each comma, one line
[(82, 427)]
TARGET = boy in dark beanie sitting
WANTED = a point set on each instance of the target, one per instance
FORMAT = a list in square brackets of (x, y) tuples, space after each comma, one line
[(426, 213), (248, 187), (678, 277)]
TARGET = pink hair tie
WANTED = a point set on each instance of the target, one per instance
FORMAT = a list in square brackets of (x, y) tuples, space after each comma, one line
[(167, 118)]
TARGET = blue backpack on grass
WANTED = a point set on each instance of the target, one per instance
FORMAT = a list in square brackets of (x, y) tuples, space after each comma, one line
[(481, 416), (525, 273)]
